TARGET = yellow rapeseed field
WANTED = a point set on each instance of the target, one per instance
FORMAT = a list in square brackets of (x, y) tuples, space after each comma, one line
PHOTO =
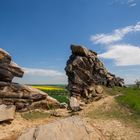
[(48, 87)]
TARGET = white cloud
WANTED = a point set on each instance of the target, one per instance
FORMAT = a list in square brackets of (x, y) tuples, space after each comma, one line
[(123, 54), (129, 3), (115, 36), (133, 4), (42, 72), (42, 76)]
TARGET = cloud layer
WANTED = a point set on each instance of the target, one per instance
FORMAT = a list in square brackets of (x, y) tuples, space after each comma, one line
[(42, 72), (123, 54), (42, 76), (129, 3), (115, 36)]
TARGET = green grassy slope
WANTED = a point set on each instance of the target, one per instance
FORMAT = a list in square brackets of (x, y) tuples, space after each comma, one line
[(128, 97)]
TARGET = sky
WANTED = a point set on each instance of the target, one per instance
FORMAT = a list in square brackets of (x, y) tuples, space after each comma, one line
[(38, 35)]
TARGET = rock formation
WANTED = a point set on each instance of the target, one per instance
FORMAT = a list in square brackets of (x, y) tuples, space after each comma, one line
[(8, 69), (86, 73), (22, 96), (71, 128)]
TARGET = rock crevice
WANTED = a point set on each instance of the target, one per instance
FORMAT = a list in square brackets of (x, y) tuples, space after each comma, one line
[(71, 128)]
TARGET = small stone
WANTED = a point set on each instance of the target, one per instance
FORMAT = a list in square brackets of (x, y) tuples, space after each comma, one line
[(63, 105), (99, 89), (74, 104)]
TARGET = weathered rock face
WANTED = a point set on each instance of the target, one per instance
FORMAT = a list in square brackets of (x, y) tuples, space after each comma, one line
[(85, 72), (8, 69), (22, 96), (72, 128), (7, 113)]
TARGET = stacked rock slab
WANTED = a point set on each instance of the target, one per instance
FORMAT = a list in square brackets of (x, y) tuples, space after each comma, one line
[(22, 96), (86, 73)]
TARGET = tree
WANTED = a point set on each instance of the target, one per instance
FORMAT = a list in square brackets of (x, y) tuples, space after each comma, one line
[(137, 83)]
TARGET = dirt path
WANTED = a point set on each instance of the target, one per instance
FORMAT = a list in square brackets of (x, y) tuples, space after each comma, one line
[(108, 128), (19, 124)]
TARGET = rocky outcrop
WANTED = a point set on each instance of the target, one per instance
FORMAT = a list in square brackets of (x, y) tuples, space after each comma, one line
[(8, 68), (86, 73), (22, 96), (72, 128), (7, 113)]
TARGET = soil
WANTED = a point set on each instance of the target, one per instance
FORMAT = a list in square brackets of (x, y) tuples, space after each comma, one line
[(109, 128)]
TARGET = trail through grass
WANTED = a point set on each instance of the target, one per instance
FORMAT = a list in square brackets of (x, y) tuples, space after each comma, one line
[(130, 98)]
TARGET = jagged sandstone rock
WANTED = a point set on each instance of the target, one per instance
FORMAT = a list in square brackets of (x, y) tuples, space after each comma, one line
[(8, 68), (5, 57), (86, 72), (72, 128), (22, 96)]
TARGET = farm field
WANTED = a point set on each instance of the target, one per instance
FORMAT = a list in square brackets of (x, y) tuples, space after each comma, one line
[(48, 87), (58, 92), (128, 97)]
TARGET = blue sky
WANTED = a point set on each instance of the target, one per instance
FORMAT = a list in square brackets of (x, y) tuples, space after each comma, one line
[(38, 34)]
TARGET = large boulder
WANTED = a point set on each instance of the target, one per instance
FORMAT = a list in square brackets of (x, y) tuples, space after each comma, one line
[(86, 73), (72, 128), (7, 113)]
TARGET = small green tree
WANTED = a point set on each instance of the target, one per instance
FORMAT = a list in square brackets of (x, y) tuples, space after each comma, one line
[(137, 83)]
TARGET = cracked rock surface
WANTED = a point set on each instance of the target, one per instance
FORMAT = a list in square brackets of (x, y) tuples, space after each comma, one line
[(71, 128)]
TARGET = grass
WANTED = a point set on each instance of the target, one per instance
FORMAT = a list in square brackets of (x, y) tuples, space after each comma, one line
[(60, 98), (35, 115), (116, 112), (58, 92), (126, 108), (130, 98)]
